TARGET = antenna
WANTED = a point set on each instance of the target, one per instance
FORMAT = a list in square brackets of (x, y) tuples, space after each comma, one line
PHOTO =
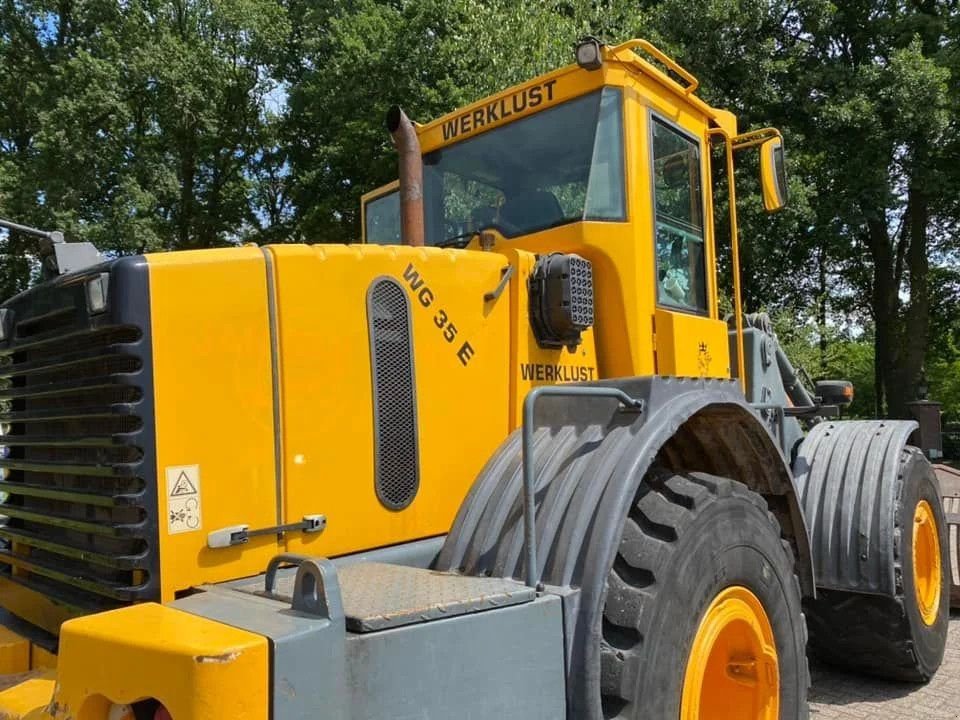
[(56, 255), (54, 236)]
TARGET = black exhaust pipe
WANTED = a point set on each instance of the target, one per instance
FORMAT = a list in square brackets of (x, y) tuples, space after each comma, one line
[(410, 172)]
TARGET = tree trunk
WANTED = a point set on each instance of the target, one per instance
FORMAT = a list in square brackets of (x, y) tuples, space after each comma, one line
[(915, 326), (822, 308), (188, 172), (885, 305)]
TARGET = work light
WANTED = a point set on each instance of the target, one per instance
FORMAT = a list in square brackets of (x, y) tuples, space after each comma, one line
[(588, 54)]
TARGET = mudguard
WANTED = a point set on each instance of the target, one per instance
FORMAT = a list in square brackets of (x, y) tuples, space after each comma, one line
[(846, 474), (590, 459)]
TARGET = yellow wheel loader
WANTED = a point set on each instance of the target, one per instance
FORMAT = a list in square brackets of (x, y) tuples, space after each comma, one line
[(502, 459)]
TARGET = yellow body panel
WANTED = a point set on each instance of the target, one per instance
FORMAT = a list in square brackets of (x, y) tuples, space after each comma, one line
[(532, 365), (199, 669), (29, 697), (328, 431), (41, 659), (33, 606), (14, 652), (214, 406), (691, 346), (214, 395)]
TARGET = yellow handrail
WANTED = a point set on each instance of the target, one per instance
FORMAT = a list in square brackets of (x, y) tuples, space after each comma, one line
[(734, 252), (753, 138), (658, 54)]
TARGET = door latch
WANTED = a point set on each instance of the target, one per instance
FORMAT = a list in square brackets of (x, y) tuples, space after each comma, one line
[(240, 534)]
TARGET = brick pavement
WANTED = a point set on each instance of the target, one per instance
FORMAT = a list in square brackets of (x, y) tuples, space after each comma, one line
[(841, 696)]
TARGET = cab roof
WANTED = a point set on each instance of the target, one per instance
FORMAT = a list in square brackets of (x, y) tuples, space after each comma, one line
[(620, 64)]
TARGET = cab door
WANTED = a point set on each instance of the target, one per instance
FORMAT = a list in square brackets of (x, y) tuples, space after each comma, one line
[(690, 339)]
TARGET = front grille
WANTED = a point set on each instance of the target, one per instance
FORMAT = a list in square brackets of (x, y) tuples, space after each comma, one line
[(77, 491)]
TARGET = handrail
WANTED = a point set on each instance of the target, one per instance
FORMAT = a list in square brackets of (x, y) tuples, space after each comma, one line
[(661, 57), (754, 137), (529, 486), (734, 252)]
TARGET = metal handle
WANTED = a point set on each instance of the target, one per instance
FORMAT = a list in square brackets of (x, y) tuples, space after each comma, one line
[(316, 589), (505, 276), (529, 487), (664, 59), (270, 578), (239, 534)]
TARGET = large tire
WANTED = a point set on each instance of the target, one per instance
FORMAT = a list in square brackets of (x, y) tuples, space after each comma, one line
[(687, 539), (887, 636)]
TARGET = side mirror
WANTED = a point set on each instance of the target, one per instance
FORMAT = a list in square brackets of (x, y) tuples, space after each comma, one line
[(773, 174), (835, 392)]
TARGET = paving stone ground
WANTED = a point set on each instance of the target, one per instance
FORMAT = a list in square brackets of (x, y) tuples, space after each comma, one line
[(842, 696)]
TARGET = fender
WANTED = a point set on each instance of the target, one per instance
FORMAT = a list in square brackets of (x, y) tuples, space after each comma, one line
[(590, 458), (846, 474)]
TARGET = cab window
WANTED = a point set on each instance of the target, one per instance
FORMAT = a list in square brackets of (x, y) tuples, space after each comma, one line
[(558, 166), (681, 267), (381, 219)]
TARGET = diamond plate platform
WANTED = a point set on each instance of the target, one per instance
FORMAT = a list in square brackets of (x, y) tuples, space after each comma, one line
[(377, 596)]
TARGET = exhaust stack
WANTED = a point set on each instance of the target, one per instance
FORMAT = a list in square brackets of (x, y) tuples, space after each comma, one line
[(410, 172)]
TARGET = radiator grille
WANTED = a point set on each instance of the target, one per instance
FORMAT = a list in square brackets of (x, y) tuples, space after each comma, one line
[(396, 464), (72, 464)]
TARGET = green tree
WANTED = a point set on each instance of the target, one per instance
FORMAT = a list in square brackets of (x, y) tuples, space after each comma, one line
[(350, 62), (864, 95), (136, 125), (877, 107)]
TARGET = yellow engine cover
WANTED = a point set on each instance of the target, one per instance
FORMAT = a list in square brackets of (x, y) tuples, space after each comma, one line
[(264, 400)]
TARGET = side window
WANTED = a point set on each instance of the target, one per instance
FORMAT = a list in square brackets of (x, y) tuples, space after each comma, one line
[(381, 219), (681, 269)]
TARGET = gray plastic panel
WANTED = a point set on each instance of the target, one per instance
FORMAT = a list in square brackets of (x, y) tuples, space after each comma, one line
[(846, 473), (308, 662), (505, 664)]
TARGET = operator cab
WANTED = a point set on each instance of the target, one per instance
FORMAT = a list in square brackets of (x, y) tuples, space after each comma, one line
[(609, 160)]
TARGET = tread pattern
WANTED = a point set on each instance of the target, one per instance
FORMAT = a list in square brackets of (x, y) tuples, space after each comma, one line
[(865, 633), (870, 633), (666, 507)]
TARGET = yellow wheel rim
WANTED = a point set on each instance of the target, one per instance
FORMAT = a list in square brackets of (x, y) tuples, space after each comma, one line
[(927, 575), (733, 672)]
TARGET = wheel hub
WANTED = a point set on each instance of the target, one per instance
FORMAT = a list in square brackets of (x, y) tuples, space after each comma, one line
[(927, 574), (733, 671)]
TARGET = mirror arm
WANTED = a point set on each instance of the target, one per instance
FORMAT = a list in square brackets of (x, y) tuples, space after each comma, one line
[(753, 138)]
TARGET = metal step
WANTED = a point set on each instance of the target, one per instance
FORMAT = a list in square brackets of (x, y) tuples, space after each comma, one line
[(379, 596)]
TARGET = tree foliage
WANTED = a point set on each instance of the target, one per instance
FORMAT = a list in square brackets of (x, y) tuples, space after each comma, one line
[(169, 124), (137, 125)]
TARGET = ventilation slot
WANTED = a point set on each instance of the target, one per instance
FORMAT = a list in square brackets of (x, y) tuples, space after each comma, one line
[(396, 462)]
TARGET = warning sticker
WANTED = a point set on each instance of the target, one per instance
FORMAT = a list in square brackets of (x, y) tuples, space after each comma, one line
[(183, 499)]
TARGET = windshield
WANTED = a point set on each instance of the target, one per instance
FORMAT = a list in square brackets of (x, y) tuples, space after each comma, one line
[(558, 166)]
